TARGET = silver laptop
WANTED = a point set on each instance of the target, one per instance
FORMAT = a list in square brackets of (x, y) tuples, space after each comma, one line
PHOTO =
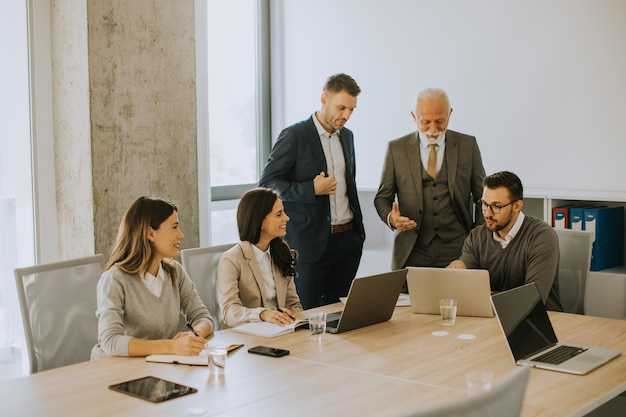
[(371, 300), (470, 287), (531, 338)]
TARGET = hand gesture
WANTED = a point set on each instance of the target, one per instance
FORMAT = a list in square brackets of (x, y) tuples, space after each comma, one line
[(399, 221)]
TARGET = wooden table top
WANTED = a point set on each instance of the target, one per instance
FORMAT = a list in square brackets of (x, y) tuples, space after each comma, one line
[(386, 369)]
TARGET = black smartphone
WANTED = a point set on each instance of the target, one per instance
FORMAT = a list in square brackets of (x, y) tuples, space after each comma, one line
[(153, 389), (268, 351)]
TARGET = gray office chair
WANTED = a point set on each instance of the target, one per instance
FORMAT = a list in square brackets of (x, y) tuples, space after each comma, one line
[(504, 399), (575, 248), (58, 305), (201, 265)]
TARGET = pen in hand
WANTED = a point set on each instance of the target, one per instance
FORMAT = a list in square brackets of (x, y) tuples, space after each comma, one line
[(192, 330), (285, 312)]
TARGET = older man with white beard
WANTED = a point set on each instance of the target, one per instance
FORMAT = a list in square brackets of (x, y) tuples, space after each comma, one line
[(436, 175)]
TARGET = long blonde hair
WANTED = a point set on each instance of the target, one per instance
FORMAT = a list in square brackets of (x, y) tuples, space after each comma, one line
[(133, 252)]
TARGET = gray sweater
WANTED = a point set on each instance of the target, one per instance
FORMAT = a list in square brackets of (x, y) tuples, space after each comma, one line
[(127, 309), (532, 256)]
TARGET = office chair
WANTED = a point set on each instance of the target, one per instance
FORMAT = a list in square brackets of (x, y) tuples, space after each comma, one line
[(504, 399), (58, 305), (201, 265), (575, 248)]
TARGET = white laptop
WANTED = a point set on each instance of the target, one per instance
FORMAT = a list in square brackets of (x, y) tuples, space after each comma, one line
[(470, 287), (371, 300), (531, 338)]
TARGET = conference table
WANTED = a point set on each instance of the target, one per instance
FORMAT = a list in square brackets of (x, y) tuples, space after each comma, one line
[(388, 369)]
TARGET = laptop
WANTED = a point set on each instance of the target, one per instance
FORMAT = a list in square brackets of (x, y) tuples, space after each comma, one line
[(470, 287), (371, 300), (531, 338)]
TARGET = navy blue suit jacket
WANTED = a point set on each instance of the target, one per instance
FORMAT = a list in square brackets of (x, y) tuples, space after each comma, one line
[(297, 158)]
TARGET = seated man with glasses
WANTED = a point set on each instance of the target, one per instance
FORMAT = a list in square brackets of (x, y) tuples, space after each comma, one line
[(515, 248)]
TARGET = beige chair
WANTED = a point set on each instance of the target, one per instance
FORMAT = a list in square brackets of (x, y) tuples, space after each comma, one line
[(504, 399), (58, 305), (575, 248), (201, 265)]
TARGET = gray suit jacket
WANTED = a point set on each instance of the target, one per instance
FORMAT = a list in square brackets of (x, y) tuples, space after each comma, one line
[(402, 177), (240, 286)]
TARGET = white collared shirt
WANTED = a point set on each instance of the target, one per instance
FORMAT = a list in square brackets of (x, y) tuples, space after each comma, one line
[(152, 283), (264, 260), (425, 150), (512, 233), (340, 212)]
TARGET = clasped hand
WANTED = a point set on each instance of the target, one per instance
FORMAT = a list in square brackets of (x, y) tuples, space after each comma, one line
[(323, 184)]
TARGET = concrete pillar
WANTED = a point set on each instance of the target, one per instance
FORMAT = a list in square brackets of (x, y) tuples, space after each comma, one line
[(131, 129), (72, 145)]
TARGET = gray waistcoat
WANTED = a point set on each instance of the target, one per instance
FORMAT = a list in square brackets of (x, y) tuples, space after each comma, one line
[(439, 217)]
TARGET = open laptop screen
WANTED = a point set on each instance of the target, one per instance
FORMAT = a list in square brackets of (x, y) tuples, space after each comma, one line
[(524, 320)]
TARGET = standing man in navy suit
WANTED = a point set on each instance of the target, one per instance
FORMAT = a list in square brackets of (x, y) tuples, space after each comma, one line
[(313, 167)]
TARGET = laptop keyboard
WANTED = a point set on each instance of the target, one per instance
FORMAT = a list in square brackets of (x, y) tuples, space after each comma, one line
[(559, 355)]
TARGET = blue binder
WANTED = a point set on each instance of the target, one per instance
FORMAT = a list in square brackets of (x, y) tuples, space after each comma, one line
[(576, 218), (607, 226)]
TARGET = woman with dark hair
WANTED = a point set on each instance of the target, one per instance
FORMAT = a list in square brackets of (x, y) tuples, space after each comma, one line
[(142, 292), (255, 277)]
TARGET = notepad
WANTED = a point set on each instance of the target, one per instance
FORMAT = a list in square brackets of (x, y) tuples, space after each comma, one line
[(187, 360), (266, 329)]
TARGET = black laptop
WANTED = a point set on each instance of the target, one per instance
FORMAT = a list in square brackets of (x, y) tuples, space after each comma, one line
[(529, 333), (371, 300)]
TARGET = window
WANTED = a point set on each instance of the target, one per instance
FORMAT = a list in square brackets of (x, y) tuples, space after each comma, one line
[(236, 53), (16, 204), (233, 109)]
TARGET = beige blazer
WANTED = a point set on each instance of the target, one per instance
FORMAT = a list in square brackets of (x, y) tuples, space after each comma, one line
[(241, 289)]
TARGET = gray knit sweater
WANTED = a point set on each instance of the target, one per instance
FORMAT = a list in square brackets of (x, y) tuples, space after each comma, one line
[(532, 256), (127, 309)]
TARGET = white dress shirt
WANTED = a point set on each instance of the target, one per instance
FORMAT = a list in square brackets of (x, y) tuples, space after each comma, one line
[(154, 284), (265, 264), (509, 236), (340, 212)]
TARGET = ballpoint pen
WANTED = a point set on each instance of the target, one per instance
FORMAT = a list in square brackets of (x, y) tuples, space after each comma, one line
[(285, 312), (192, 330)]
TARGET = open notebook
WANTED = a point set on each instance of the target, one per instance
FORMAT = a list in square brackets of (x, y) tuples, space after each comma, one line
[(187, 360), (266, 329)]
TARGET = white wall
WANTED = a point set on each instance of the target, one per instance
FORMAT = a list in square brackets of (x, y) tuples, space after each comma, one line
[(524, 77)]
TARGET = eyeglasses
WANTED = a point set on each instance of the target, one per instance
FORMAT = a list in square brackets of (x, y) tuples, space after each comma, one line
[(495, 208)]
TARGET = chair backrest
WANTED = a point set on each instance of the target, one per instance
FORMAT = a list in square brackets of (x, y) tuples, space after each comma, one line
[(201, 265), (504, 399), (58, 305), (575, 248)]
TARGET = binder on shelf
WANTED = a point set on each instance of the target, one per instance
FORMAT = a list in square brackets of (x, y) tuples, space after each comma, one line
[(560, 217), (607, 227), (576, 218)]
